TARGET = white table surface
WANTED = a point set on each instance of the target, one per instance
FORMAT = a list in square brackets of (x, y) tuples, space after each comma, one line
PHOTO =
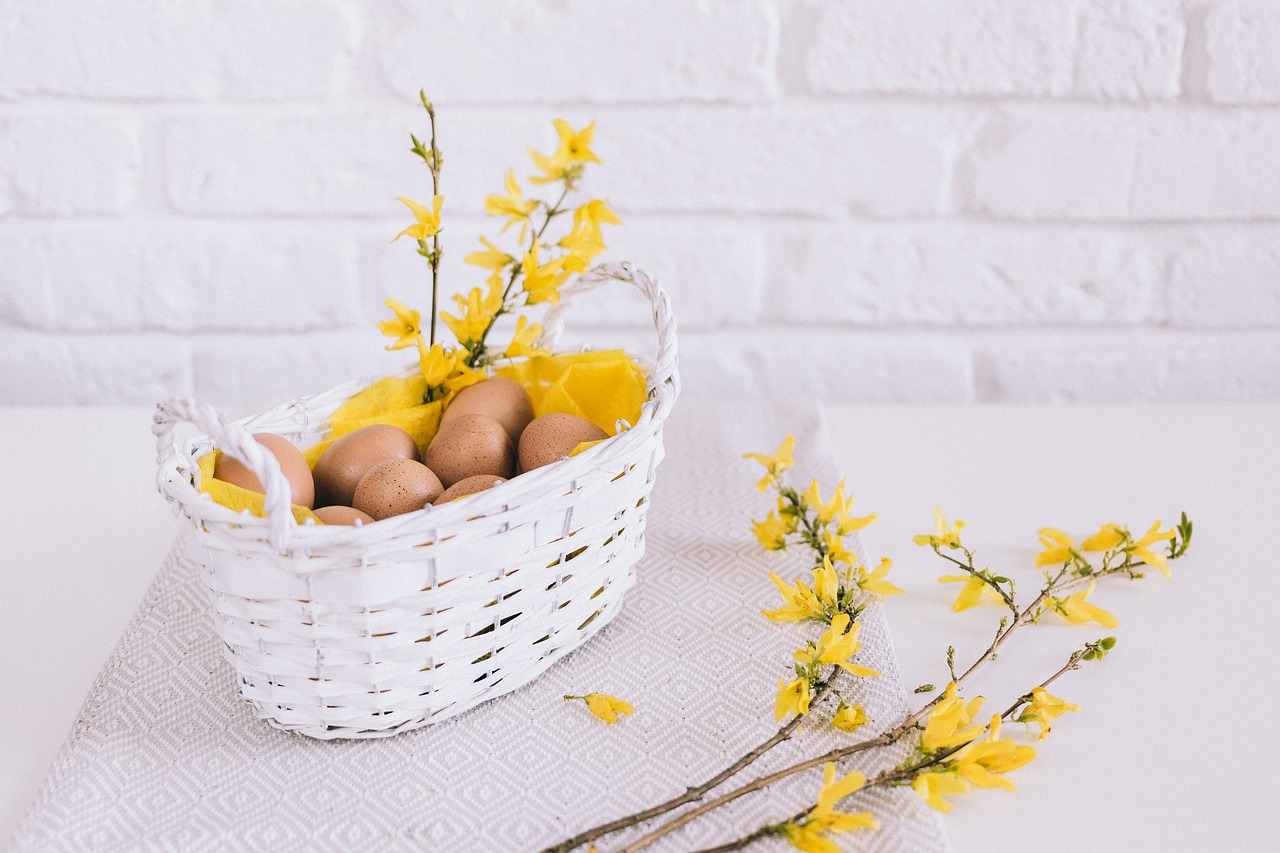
[(1174, 748)]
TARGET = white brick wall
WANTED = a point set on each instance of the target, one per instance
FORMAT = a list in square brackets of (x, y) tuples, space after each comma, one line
[(906, 200)]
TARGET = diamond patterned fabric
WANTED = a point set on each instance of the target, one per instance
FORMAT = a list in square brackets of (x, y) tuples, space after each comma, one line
[(166, 756)]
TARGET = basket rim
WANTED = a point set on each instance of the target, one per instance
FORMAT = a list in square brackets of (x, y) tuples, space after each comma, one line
[(200, 506)]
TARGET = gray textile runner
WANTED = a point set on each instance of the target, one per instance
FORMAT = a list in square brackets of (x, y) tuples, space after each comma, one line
[(166, 756)]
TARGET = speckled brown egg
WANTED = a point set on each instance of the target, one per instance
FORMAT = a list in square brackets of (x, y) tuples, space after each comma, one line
[(396, 486), (347, 515), (340, 468), (471, 445), (498, 398), (469, 486), (302, 489), (552, 437)]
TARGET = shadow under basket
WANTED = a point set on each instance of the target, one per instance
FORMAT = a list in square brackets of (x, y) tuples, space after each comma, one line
[(359, 632)]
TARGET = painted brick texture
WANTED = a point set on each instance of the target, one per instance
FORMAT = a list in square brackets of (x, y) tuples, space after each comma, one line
[(918, 201)]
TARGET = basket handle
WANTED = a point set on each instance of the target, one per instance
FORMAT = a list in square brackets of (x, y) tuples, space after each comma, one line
[(231, 438), (665, 364)]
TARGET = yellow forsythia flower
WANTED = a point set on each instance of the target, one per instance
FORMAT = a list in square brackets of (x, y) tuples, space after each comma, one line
[(1108, 537), (522, 340), (1044, 709), (405, 328), (574, 149), (543, 282), (1076, 610), (436, 363), (428, 221), (948, 718), (773, 531), (836, 646), (944, 534), (475, 319), (837, 508), (582, 249), (574, 143), (792, 698), (1142, 548), (813, 497), (462, 375), (836, 549), (983, 762), (807, 835), (775, 464), (834, 791), (586, 240), (933, 785), (826, 583), (590, 215), (492, 258), (604, 706), (512, 205), (970, 595), (850, 717), (875, 582), (799, 603), (1058, 547)]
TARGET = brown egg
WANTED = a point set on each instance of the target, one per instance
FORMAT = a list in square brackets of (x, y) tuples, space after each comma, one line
[(348, 515), (471, 445), (498, 398), (340, 468), (552, 437), (396, 486), (469, 486), (302, 488)]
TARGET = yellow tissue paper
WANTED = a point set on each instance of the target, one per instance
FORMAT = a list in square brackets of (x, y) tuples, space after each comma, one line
[(236, 498), (599, 386), (395, 400)]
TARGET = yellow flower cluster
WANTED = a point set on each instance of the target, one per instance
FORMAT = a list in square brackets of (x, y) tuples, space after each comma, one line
[(836, 646), (1043, 709), (803, 601), (837, 582), (949, 721), (445, 370), (981, 764), (515, 279), (542, 279), (809, 833), (1060, 548)]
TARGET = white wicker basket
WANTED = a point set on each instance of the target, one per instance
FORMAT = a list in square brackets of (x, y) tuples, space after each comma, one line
[(345, 632)]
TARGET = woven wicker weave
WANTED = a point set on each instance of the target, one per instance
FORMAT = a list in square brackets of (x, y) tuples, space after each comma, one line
[(352, 632)]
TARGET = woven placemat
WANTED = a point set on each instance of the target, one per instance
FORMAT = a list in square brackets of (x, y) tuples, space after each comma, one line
[(166, 756)]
